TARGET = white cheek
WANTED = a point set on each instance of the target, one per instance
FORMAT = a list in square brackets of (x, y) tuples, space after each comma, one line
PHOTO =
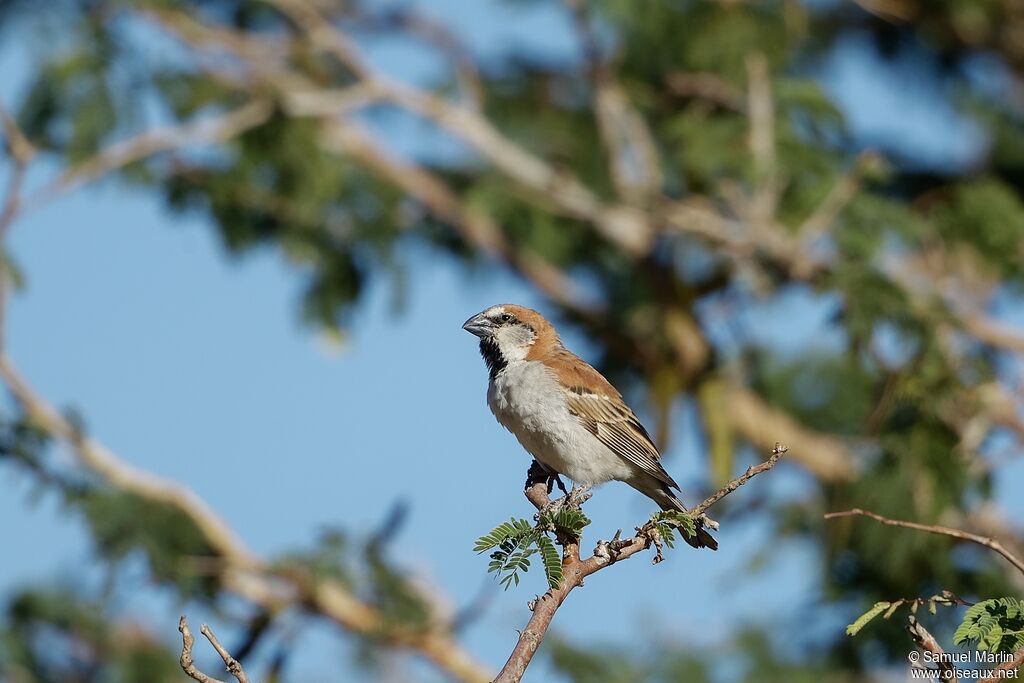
[(514, 342)]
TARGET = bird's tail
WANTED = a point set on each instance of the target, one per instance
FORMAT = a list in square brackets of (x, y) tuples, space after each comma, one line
[(669, 501)]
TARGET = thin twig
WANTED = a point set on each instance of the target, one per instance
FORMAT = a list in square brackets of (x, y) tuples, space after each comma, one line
[(985, 541), (233, 666), (188, 665), (144, 145), (751, 472)]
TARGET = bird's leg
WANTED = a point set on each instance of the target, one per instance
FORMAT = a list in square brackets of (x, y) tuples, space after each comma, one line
[(538, 474)]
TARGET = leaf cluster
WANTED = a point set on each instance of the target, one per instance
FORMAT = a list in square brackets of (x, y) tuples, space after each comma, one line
[(995, 625), (887, 609), (667, 522), (514, 542)]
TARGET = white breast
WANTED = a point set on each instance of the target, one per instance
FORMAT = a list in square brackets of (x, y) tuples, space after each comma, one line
[(527, 400)]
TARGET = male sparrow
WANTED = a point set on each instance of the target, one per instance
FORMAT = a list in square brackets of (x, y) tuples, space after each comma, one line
[(564, 412)]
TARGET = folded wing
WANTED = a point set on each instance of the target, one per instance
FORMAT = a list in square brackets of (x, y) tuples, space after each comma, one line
[(608, 418)]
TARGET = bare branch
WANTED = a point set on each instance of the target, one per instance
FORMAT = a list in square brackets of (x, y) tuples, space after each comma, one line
[(751, 472), (21, 149), (959, 534), (121, 154), (926, 641), (633, 161), (440, 37), (1011, 665), (234, 667), (22, 152), (188, 665)]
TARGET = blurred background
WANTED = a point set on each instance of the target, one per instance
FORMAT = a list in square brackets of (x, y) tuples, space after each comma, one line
[(240, 238)]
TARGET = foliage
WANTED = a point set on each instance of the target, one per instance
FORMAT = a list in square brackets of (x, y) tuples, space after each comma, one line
[(667, 522), (887, 609), (514, 542), (995, 625), (890, 367), (56, 635)]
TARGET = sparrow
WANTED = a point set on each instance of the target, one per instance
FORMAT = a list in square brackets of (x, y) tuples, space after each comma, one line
[(564, 412)]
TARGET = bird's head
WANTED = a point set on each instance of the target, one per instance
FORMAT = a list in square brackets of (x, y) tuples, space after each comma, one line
[(510, 333)]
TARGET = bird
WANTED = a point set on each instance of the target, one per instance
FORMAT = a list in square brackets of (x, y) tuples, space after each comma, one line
[(565, 413)]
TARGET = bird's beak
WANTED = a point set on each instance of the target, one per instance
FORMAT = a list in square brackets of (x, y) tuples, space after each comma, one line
[(478, 325)]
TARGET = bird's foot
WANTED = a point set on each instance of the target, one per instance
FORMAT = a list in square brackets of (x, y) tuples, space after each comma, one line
[(538, 474), (579, 495), (550, 510)]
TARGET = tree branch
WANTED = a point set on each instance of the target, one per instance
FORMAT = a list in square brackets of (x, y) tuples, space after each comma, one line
[(234, 667), (606, 553), (242, 572), (761, 113), (144, 145), (959, 534), (926, 641), (1011, 665)]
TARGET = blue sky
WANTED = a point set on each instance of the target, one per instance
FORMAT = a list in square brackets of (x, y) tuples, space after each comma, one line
[(195, 366)]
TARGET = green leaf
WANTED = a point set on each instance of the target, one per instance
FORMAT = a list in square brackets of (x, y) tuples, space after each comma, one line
[(569, 520), (863, 619), (552, 561), (995, 625), (500, 533)]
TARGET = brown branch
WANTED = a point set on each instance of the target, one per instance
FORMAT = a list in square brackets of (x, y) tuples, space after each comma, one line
[(1010, 665), (927, 642), (439, 36), (624, 226), (139, 147), (959, 534), (739, 481), (233, 666), (606, 553), (22, 152), (243, 573), (473, 225), (761, 112), (632, 154)]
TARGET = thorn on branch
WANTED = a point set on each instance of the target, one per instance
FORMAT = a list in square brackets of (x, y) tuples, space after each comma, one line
[(233, 666)]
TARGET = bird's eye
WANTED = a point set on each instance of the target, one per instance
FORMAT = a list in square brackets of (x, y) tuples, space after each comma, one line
[(505, 318)]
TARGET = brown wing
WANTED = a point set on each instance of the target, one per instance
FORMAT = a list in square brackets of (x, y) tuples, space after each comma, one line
[(617, 427), (602, 411)]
